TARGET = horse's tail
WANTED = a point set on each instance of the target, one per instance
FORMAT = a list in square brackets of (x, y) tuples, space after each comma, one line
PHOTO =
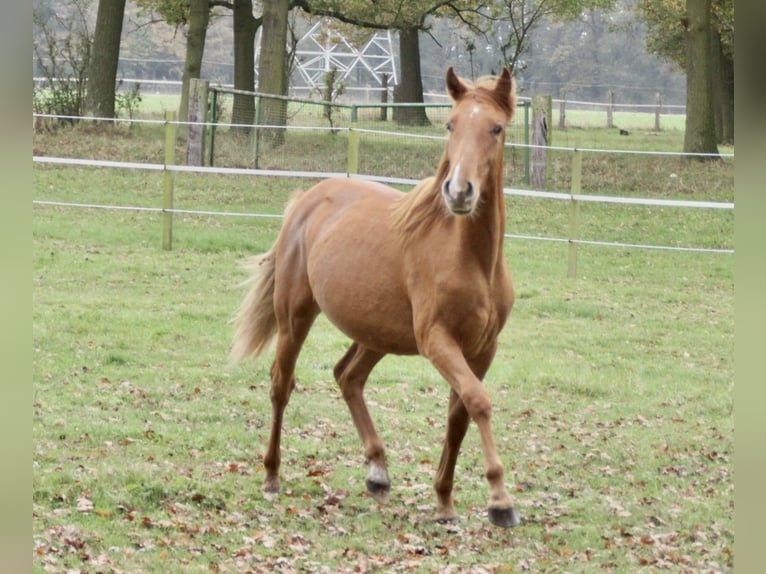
[(256, 322)]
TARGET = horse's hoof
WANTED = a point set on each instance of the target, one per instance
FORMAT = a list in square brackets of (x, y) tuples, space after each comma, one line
[(504, 517), (270, 488), (447, 520), (378, 490)]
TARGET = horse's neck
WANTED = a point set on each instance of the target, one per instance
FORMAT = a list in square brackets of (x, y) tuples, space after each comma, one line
[(485, 231)]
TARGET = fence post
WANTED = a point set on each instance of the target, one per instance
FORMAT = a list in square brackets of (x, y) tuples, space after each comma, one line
[(353, 143), (211, 132), (657, 110), (563, 110), (541, 111), (609, 109), (195, 145), (574, 212), (526, 145), (384, 97), (168, 180), (257, 131)]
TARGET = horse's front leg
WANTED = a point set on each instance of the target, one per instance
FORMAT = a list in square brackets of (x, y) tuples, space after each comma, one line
[(351, 373), (448, 358), (457, 425)]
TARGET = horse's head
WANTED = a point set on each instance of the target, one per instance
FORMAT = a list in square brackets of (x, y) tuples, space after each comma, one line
[(476, 137)]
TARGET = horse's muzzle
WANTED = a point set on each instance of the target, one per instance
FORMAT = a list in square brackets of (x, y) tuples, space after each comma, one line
[(459, 201)]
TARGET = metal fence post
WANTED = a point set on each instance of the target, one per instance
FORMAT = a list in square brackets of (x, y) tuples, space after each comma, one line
[(574, 212), (168, 180), (353, 143), (212, 108)]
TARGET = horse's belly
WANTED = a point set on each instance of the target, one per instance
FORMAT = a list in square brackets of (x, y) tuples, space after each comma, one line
[(354, 270), (360, 303)]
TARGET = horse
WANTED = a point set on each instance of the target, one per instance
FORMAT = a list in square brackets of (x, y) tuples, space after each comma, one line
[(416, 273)]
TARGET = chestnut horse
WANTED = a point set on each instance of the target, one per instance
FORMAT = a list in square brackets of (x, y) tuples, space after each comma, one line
[(405, 273)]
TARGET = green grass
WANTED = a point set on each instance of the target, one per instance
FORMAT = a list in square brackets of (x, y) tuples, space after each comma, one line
[(612, 391)]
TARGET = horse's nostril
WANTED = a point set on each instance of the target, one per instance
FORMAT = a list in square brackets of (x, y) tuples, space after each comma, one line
[(469, 190)]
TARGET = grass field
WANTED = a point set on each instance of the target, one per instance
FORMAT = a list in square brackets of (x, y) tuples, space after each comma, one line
[(612, 391)]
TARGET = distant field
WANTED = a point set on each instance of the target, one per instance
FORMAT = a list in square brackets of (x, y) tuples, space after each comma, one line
[(612, 392), (157, 104)]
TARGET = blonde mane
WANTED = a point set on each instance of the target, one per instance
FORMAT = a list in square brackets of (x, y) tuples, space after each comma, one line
[(422, 205)]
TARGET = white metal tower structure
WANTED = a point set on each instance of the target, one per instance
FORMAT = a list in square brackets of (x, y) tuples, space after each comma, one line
[(323, 48)]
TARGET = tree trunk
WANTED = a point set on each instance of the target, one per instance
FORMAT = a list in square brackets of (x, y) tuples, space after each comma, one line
[(727, 99), (105, 55), (199, 16), (410, 89), (716, 83), (272, 69), (245, 27), (700, 122)]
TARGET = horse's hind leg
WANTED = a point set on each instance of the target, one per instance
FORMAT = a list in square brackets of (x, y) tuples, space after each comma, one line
[(292, 332), (351, 372)]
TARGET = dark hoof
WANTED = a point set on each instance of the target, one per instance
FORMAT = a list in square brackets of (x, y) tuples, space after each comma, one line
[(448, 520), (378, 490), (270, 488), (504, 517)]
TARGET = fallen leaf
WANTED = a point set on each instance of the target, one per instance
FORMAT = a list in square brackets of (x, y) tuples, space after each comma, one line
[(84, 505)]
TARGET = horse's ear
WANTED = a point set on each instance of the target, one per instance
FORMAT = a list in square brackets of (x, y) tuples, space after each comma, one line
[(455, 86), (505, 91)]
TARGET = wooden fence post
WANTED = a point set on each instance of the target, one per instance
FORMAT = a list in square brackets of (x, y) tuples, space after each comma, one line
[(527, 150), (574, 212), (563, 110), (657, 110), (195, 144), (257, 131), (609, 109), (541, 111), (168, 180)]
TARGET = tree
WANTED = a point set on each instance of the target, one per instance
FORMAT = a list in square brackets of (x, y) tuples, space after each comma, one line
[(195, 14), (245, 27), (61, 49), (272, 68), (179, 13), (411, 87), (199, 16), (699, 136), (511, 22), (668, 35), (105, 54)]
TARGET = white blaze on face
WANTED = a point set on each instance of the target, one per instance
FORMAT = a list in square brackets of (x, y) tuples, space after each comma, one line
[(475, 110), (457, 185)]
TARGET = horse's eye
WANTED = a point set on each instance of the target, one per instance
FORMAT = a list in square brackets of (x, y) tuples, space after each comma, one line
[(449, 126), (497, 129)]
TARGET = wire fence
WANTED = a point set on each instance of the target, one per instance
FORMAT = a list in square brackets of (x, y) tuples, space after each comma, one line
[(389, 155)]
